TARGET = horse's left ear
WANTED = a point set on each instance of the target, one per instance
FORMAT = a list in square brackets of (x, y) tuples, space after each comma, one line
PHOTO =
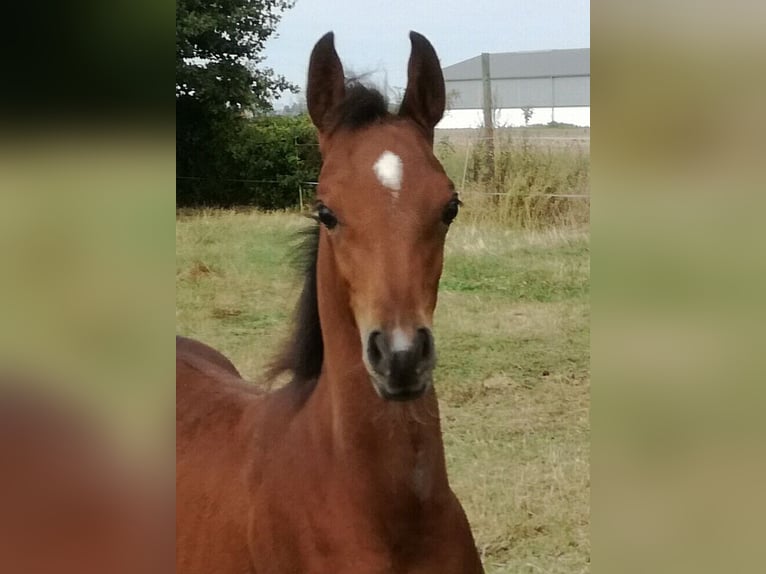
[(424, 98)]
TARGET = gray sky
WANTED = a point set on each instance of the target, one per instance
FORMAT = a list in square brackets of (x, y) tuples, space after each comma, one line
[(371, 36)]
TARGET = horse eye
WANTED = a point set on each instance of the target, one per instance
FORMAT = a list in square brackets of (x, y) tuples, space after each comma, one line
[(326, 217), (450, 211)]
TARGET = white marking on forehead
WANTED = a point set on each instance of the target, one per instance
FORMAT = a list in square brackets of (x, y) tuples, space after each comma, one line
[(400, 341), (388, 168)]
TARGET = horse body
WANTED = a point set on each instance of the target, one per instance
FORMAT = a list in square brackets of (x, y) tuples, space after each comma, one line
[(342, 470), (271, 483)]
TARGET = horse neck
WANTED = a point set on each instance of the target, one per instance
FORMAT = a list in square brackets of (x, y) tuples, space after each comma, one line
[(397, 443)]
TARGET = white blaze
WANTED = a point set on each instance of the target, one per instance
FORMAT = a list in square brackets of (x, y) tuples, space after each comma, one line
[(388, 168)]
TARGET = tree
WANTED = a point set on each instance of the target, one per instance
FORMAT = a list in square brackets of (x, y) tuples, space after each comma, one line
[(219, 78), (218, 52), (527, 111)]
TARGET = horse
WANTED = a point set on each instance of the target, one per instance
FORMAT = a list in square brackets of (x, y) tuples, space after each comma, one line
[(341, 470)]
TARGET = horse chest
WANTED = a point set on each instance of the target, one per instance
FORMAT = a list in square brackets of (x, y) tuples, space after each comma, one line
[(330, 532)]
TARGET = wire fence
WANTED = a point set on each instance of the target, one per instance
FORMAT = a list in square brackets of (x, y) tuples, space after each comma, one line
[(463, 149), (302, 197)]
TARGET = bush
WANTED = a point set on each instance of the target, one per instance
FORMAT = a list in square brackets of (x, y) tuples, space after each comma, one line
[(257, 162)]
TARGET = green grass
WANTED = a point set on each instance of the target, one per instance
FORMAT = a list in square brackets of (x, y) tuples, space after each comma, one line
[(513, 376)]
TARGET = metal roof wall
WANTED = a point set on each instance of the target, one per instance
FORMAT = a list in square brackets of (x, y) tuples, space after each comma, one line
[(551, 78)]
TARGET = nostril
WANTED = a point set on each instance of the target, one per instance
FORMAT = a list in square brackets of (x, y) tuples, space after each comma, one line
[(425, 343), (375, 348)]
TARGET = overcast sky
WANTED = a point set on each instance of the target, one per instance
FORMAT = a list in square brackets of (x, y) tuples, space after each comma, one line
[(371, 36)]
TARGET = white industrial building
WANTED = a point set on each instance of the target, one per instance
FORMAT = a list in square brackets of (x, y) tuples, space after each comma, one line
[(555, 84)]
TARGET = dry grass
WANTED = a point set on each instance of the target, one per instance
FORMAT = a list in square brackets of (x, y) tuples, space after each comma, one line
[(513, 375), (533, 178)]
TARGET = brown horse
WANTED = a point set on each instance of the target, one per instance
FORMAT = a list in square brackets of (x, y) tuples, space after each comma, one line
[(342, 470)]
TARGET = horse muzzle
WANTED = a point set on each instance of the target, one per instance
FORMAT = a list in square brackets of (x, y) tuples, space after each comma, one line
[(401, 364)]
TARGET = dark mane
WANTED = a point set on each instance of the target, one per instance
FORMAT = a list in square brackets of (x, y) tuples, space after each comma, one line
[(303, 352), (361, 106)]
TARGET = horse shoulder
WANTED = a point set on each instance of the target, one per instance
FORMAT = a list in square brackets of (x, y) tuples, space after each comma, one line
[(456, 546)]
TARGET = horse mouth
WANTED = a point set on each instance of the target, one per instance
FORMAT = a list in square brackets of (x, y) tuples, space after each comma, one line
[(390, 391), (402, 395)]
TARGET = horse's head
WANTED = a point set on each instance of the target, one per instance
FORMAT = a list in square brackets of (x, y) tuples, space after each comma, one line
[(385, 204)]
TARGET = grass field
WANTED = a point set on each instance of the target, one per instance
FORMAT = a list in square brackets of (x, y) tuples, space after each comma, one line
[(512, 330)]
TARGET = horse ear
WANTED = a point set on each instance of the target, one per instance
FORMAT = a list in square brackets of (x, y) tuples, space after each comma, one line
[(424, 98), (326, 85)]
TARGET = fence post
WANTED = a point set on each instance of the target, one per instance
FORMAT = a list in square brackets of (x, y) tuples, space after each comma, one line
[(487, 87), (553, 100), (489, 128), (465, 164), (300, 196)]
